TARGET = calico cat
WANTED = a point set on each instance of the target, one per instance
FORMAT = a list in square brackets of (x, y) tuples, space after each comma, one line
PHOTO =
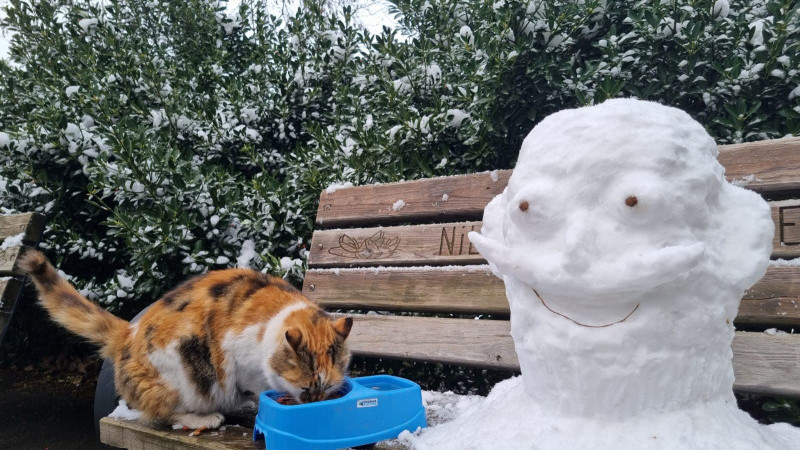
[(209, 345)]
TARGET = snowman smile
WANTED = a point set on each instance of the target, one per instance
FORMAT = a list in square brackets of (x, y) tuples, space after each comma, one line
[(580, 323)]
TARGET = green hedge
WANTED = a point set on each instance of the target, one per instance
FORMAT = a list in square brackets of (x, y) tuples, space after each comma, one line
[(164, 139)]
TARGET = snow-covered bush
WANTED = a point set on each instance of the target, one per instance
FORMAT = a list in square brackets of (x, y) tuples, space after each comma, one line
[(165, 138), (155, 137)]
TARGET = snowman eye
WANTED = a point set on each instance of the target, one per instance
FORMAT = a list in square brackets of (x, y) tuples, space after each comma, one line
[(631, 201), (523, 206)]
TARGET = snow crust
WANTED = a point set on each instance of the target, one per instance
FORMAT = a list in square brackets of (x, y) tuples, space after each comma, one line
[(620, 218)]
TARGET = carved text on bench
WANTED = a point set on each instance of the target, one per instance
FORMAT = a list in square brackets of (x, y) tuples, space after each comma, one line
[(784, 213), (449, 242), (8, 256)]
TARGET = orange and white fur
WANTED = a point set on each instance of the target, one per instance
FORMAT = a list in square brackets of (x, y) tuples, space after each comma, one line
[(209, 345)]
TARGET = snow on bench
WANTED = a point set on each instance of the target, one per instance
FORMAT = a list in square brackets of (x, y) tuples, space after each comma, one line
[(16, 232)]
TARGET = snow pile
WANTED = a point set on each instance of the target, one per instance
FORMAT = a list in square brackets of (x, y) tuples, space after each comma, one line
[(12, 241), (123, 412), (336, 186), (624, 253)]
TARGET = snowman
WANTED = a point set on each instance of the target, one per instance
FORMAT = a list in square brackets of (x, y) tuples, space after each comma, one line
[(624, 253)]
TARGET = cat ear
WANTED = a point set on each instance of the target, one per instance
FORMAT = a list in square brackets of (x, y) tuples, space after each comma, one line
[(293, 337), (342, 326)]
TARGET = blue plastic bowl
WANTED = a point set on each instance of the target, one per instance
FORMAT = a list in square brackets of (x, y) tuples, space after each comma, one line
[(371, 409)]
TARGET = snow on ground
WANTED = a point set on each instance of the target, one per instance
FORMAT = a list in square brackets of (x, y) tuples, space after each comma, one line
[(123, 412)]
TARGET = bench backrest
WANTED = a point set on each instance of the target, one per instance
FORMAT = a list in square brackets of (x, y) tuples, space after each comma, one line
[(22, 229), (403, 247)]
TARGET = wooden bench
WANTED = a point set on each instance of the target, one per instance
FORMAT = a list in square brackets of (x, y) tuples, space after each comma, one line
[(371, 252), (24, 230)]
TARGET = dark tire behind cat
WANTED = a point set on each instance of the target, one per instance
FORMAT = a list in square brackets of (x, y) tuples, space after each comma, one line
[(105, 394)]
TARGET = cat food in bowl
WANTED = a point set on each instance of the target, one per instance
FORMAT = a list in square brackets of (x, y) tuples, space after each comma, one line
[(370, 409)]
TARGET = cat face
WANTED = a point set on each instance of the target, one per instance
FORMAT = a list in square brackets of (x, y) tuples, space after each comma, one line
[(314, 357)]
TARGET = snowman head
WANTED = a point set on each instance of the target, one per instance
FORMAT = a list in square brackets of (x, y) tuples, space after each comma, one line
[(618, 199)]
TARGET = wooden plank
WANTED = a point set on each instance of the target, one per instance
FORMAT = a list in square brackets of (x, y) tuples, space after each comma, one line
[(762, 363), (767, 364), (448, 243), (8, 261), (464, 290), (483, 343), (772, 301), (135, 436), (450, 198), (764, 166), (418, 245), (31, 224)]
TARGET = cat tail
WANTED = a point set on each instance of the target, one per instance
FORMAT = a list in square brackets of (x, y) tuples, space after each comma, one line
[(71, 309)]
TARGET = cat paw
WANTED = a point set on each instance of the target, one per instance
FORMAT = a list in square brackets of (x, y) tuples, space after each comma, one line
[(192, 420)]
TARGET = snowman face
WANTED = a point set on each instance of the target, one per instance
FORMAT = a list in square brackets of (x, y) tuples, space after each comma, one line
[(628, 234), (618, 199)]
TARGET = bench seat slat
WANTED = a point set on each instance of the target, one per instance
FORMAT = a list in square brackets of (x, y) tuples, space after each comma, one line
[(445, 243), (448, 243), (774, 300), (770, 166), (465, 290), (765, 364), (460, 197), (482, 343), (766, 166), (31, 224), (762, 363), (133, 435)]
